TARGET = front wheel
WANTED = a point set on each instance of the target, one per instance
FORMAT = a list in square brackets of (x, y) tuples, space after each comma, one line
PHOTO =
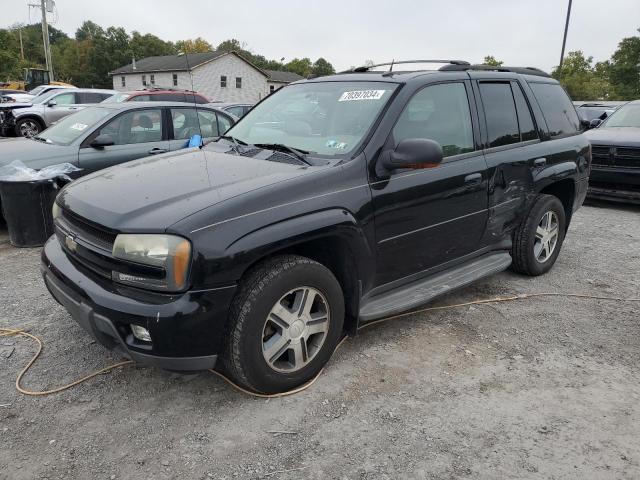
[(284, 324), (28, 127), (538, 239)]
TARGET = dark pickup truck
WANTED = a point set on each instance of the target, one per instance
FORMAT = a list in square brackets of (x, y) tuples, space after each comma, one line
[(334, 202)]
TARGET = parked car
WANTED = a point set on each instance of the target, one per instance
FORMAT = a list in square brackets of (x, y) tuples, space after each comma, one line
[(29, 119), (239, 110), (263, 248), (9, 95), (108, 134), (39, 90), (615, 172), (158, 95), (589, 111)]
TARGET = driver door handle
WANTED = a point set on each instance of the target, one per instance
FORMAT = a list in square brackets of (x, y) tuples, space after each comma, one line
[(155, 151), (473, 179), (540, 162)]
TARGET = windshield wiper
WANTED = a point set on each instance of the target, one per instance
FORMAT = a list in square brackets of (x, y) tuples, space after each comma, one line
[(40, 139), (235, 141), (299, 154)]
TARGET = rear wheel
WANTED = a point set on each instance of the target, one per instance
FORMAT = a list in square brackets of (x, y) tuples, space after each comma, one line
[(538, 239), (285, 323), (28, 127)]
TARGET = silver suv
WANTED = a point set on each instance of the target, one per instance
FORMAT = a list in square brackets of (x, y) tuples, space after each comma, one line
[(29, 119)]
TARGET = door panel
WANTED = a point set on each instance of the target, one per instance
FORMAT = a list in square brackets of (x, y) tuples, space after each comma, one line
[(66, 104), (425, 218)]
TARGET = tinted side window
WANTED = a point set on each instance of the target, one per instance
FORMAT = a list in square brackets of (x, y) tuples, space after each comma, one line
[(185, 123), (140, 98), (557, 108), (525, 120), (141, 126), (441, 113), (198, 99), (237, 111), (224, 123), (67, 98), (92, 97), (500, 114)]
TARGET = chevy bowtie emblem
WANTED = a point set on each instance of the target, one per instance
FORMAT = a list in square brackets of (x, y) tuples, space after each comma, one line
[(71, 243)]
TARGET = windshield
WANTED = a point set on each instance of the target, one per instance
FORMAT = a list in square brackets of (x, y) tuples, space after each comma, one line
[(117, 98), (37, 90), (323, 118), (43, 97), (74, 126), (626, 116)]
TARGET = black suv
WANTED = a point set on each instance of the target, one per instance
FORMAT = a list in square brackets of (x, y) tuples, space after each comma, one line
[(334, 202)]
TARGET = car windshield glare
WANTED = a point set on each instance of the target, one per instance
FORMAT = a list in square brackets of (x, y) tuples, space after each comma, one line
[(626, 116), (70, 128), (323, 118)]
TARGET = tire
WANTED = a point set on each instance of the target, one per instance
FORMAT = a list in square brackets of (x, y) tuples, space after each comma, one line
[(257, 337), (529, 253), (28, 127)]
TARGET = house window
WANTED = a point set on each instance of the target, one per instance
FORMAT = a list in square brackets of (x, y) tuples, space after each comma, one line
[(144, 80), (223, 81), (238, 82), (175, 79), (272, 88), (153, 80), (123, 81)]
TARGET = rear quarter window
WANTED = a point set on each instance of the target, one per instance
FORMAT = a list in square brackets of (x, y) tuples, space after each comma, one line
[(557, 109)]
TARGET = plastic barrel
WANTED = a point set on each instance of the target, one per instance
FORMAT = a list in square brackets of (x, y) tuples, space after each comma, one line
[(26, 207)]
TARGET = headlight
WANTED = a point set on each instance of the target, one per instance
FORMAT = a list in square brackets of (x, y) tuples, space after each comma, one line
[(166, 256), (55, 211)]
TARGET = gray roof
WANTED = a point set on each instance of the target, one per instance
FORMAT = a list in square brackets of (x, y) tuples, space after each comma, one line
[(285, 77), (176, 63), (169, 63)]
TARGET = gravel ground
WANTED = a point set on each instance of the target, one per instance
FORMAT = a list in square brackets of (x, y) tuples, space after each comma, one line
[(545, 388)]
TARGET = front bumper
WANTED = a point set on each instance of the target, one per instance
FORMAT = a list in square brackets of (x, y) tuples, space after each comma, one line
[(187, 330), (616, 184)]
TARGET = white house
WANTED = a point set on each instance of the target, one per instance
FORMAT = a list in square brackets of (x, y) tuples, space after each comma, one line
[(222, 76)]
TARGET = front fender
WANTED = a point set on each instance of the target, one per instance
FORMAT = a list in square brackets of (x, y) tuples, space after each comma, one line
[(229, 263)]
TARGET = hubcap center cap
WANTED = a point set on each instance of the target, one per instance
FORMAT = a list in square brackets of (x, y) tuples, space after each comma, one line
[(296, 329)]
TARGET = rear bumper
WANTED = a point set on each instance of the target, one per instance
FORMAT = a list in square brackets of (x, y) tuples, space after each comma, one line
[(187, 330)]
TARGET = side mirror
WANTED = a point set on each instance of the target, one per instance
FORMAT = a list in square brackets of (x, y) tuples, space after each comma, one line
[(414, 153), (51, 103), (102, 140), (595, 123)]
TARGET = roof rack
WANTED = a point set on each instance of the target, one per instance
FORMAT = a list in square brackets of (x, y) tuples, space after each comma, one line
[(523, 70), (172, 89), (366, 68)]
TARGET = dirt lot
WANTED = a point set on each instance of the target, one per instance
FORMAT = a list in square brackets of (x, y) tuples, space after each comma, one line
[(534, 389)]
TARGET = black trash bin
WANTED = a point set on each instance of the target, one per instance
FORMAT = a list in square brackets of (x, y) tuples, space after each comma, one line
[(27, 210)]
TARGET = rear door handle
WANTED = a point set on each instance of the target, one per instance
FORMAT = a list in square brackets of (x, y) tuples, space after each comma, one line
[(473, 179), (155, 151), (539, 162)]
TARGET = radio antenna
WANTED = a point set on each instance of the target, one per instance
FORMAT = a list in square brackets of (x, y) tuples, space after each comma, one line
[(193, 93)]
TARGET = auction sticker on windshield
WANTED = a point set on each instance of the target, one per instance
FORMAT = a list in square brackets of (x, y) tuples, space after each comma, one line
[(361, 95), (79, 126)]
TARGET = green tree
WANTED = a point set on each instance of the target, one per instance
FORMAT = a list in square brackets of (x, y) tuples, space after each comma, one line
[(491, 60), (624, 69), (301, 66), (148, 45), (322, 67), (197, 45), (581, 79)]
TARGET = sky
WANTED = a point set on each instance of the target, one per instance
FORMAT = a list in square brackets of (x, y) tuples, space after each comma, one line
[(346, 33)]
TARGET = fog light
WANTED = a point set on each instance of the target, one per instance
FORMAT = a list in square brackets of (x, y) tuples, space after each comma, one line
[(140, 333)]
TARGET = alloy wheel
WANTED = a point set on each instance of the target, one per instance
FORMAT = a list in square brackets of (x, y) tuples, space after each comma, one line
[(295, 329), (546, 237), (29, 129)]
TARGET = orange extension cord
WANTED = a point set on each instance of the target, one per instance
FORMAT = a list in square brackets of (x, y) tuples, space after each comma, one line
[(5, 332)]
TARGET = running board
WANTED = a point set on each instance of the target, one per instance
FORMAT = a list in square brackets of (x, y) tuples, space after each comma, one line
[(420, 292)]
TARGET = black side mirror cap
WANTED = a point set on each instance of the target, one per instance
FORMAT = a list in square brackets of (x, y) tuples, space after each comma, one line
[(102, 140), (51, 103), (595, 123), (413, 153)]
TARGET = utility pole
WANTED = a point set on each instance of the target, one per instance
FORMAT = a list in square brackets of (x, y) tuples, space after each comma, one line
[(564, 40), (45, 38), (21, 46)]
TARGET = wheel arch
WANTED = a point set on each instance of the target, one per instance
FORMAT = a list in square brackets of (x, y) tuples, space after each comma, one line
[(330, 237), (565, 191), (30, 116)]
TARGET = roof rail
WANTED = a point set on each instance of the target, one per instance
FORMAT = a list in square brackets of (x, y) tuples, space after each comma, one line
[(366, 68), (523, 70)]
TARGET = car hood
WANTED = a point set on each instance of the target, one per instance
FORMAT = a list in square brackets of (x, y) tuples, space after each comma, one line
[(615, 136), (153, 193), (35, 154), (14, 105)]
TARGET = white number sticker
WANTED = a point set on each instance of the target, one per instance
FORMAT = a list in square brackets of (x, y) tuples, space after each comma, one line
[(361, 95), (79, 126)]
